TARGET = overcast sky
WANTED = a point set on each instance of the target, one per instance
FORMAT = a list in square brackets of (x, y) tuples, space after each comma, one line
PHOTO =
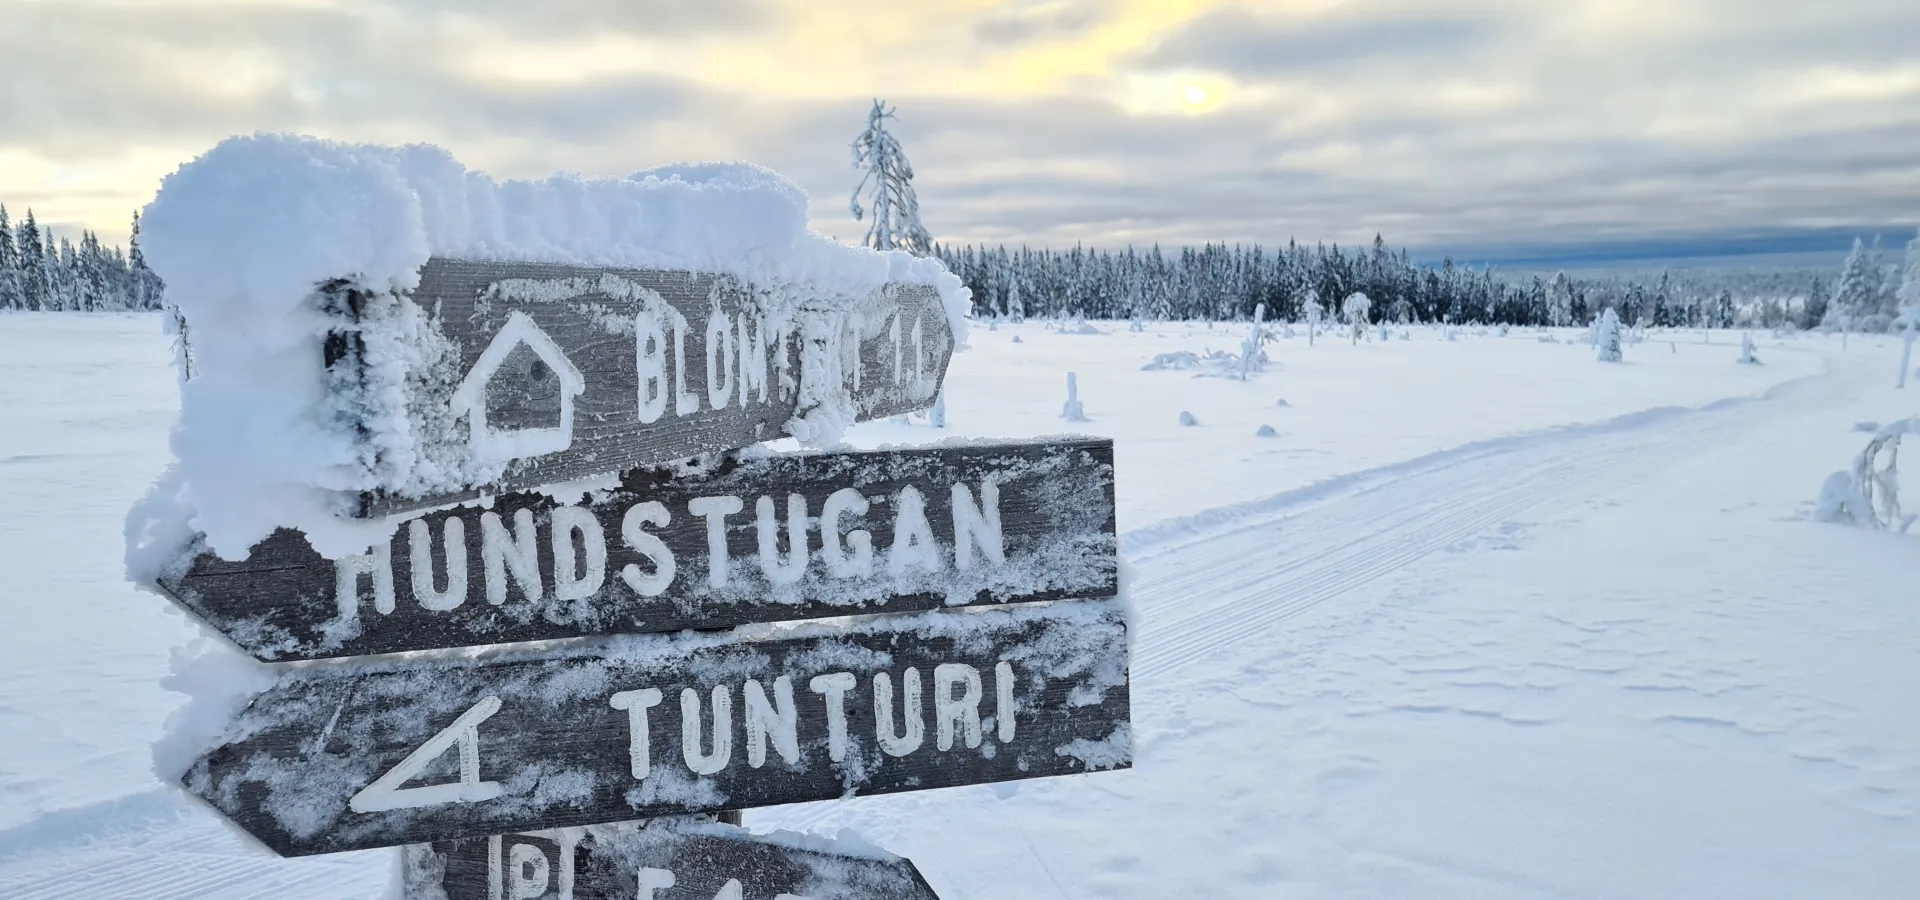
[(1461, 124)]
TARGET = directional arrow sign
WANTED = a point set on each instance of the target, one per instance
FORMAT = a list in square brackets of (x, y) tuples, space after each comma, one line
[(805, 536), (658, 860), (549, 373), (411, 750)]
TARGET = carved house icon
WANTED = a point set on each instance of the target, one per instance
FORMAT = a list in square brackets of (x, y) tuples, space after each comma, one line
[(518, 397)]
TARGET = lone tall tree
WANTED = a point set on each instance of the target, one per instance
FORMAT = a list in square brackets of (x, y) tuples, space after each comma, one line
[(886, 178)]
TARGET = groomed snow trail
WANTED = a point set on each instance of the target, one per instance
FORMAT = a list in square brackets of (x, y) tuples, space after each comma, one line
[(1226, 578), (1236, 581)]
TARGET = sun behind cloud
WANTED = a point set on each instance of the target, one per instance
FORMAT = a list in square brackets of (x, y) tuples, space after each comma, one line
[(1174, 93)]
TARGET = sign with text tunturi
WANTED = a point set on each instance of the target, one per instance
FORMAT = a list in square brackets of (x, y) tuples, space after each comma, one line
[(382, 754)]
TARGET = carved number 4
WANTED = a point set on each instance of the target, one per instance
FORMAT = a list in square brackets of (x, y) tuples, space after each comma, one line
[(386, 793)]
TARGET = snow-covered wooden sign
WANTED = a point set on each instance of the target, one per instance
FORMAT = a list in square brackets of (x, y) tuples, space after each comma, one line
[(413, 750), (660, 860), (761, 539), (494, 376)]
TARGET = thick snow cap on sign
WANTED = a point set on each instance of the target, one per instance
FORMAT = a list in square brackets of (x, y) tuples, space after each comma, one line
[(244, 234)]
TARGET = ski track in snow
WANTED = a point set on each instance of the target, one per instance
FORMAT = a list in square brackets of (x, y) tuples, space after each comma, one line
[(1229, 576), (1198, 591)]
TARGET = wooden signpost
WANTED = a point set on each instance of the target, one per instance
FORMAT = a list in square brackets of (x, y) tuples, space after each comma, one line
[(890, 531), (664, 860), (519, 771), (378, 755), (561, 373)]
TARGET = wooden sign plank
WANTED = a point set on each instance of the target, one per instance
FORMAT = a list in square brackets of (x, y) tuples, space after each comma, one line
[(412, 750), (656, 860), (884, 531), (559, 373)]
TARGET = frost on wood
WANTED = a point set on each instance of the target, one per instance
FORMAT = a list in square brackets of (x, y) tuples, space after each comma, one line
[(647, 726), (758, 539), (266, 241), (677, 857)]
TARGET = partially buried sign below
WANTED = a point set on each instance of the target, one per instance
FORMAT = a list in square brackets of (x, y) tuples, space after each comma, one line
[(771, 538), (540, 374), (660, 860), (380, 754)]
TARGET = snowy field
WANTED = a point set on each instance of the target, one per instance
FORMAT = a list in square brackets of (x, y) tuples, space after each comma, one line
[(1484, 619)]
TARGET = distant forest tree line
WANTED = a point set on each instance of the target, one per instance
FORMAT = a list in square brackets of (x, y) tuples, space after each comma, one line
[(1217, 282), (41, 272)]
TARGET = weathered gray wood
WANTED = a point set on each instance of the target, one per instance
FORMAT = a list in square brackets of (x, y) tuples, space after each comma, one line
[(1054, 502), (405, 751), (611, 862), (593, 323)]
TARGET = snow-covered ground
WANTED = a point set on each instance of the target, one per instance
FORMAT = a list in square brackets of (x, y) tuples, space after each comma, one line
[(1486, 619)]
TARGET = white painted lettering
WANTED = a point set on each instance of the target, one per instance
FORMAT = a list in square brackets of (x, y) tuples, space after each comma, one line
[(720, 359), (950, 711), (893, 332), (346, 580), (685, 402), (516, 552), (858, 564), (531, 875), (716, 510), (650, 363), (653, 880), (977, 526), (753, 346), (912, 537), (715, 760), (913, 722), (582, 578), (834, 687), (386, 793), (732, 890), (778, 720), (493, 868), (633, 531), (1003, 700), (919, 355), (795, 566), (453, 546), (639, 747)]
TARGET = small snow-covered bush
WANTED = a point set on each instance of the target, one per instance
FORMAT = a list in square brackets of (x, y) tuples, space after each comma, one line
[(1869, 494), (1746, 350), (1607, 336), (1187, 419), (1266, 431), (1073, 411)]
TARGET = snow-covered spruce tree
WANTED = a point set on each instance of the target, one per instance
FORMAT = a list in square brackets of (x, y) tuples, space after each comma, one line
[(1607, 336), (1856, 297), (1355, 308), (1314, 314), (1906, 296), (1560, 300), (886, 178), (9, 266)]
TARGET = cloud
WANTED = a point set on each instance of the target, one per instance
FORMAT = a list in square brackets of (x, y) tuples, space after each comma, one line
[(1020, 22), (1464, 123), (1243, 44)]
